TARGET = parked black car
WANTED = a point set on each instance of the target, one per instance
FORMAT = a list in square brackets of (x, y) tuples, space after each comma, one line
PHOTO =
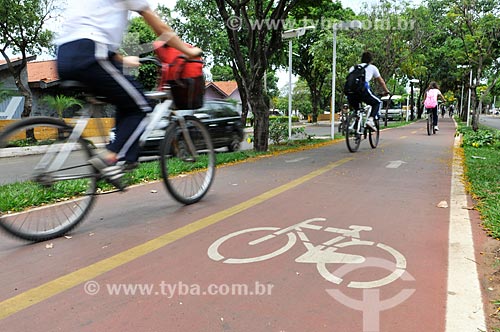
[(222, 120)]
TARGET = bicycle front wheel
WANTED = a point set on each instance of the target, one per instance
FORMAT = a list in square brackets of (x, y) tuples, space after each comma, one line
[(352, 137), (188, 168), (46, 183), (374, 135)]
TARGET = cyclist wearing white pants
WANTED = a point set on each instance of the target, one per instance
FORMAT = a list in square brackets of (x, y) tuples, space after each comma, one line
[(367, 96), (87, 52)]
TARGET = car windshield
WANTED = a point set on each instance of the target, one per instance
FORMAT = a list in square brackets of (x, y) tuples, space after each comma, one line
[(217, 110)]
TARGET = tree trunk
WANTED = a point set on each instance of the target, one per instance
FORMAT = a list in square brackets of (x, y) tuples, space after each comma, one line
[(28, 103), (28, 98), (243, 95), (260, 111), (314, 102), (475, 110), (17, 73)]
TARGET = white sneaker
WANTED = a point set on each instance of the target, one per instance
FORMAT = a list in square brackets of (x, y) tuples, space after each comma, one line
[(370, 123), (111, 173), (436, 128)]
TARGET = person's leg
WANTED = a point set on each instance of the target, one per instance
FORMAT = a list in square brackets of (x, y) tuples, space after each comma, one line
[(434, 116), (88, 62), (369, 98), (131, 106), (354, 101)]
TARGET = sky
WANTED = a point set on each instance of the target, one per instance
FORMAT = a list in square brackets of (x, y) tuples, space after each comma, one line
[(354, 5), (283, 74)]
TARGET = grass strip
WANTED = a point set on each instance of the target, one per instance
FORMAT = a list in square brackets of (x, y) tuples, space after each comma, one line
[(482, 171), (19, 196)]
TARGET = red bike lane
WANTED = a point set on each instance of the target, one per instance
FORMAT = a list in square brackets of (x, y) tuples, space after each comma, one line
[(319, 240)]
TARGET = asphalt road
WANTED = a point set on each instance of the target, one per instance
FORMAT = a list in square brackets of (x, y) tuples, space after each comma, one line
[(316, 240), (490, 121), (10, 168)]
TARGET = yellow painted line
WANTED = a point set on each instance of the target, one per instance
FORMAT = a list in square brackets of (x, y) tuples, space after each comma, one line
[(38, 294), (414, 132), (403, 137)]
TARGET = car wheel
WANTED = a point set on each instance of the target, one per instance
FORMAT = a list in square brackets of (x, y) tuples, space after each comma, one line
[(235, 144)]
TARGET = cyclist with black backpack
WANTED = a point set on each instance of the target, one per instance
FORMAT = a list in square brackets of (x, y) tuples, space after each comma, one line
[(357, 87)]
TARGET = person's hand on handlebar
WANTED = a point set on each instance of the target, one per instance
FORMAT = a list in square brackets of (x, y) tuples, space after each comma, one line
[(193, 52), (131, 61)]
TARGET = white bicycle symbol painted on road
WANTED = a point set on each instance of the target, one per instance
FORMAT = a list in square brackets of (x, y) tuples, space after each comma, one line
[(320, 254)]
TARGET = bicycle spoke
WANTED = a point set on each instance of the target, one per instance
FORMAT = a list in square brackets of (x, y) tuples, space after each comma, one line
[(189, 187), (34, 203), (352, 137)]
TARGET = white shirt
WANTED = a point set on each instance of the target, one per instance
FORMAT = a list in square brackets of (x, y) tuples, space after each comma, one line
[(371, 71), (103, 21)]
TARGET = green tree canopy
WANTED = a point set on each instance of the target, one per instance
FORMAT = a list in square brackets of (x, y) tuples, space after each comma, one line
[(23, 33)]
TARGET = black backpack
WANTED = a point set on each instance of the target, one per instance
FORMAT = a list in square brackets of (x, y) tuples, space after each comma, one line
[(355, 82)]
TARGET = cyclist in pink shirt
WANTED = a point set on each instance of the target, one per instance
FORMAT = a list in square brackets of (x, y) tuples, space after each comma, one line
[(431, 102)]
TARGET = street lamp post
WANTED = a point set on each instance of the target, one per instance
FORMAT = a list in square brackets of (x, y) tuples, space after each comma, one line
[(468, 103), (342, 25), (290, 34), (462, 99), (412, 102)]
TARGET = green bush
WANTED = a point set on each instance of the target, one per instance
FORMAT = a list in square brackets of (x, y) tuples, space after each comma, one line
[(282, 119), (278, 132), (483, 137)]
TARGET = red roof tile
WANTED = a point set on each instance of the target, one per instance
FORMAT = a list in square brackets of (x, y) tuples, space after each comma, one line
[(42, 71), (228, 87)]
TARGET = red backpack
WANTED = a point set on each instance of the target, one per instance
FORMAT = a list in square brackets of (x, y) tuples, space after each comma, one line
[(184, 76)]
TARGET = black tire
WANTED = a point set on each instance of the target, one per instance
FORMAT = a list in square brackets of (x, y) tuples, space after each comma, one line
[(235, 143), (374, 136), (429, 123), (192, 185), (39, 205), (352, 137)]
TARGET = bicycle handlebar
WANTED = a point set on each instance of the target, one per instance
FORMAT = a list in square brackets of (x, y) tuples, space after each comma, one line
[(150, 59)]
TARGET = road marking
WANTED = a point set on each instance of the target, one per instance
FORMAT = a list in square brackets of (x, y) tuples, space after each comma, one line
[(395, 164), (38, 294), (403, 137), (464, 305), (319, 254), (296, 160)]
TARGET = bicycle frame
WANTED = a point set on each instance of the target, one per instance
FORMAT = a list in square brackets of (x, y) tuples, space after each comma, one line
[(360, 124), (56, 155), (64, 154)]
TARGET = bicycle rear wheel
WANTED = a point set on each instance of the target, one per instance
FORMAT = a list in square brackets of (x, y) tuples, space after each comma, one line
[(187, 174), (352, 137), (374, 136), (42, 194), (429, 123)]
